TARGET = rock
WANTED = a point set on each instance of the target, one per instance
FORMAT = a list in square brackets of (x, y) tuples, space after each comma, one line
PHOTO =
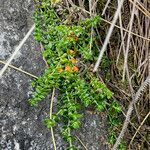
[(21, 126)]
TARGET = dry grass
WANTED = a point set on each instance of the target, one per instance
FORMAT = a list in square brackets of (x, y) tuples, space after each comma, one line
[(130, 56)]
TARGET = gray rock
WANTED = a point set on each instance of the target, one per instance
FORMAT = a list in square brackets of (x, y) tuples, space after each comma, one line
[(21, 126)]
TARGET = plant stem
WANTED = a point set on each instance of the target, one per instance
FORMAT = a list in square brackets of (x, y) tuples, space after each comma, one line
[(51, 108), (69, 132), (70, 141)]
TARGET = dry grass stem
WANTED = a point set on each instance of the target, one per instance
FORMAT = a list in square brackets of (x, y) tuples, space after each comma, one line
[(20, 70), (16, 50), (139, 128), (51, 111), (108, 36)]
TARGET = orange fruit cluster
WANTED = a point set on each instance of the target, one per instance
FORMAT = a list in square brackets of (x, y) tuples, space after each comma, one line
[(69, 68), (75, 69)]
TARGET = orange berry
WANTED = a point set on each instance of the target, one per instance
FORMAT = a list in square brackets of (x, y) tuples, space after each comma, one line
[(71, 51), (76, 69), (73, 60), (60, 70), (68, 68)]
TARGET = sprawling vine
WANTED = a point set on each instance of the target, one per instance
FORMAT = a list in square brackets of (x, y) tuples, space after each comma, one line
[(69, 50)]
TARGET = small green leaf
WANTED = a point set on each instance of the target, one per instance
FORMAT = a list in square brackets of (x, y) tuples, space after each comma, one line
[(49, 123)]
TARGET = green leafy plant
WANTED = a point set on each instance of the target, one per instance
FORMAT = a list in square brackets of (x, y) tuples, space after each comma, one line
[(69, 51)]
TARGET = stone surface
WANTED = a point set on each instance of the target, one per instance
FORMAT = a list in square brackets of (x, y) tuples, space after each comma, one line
[(21, 126)]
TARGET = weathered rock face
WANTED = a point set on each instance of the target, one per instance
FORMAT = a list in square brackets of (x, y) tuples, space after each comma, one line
[(21, 126)]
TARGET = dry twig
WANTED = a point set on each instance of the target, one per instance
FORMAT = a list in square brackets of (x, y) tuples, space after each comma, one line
[(108, 36), (129, 112), (139, 128)]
